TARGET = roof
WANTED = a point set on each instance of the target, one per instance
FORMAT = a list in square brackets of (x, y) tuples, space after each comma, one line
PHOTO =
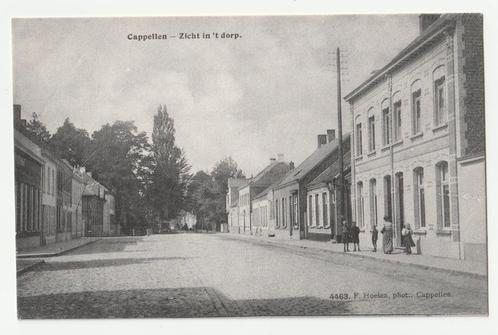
[(266, 190), (266, 177), (313, 160), (330, 173), (433, 30)]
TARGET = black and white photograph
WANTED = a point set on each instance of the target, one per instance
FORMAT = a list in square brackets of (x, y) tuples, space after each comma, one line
[(249, 166)]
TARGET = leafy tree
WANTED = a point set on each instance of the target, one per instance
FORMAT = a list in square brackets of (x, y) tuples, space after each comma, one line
[(167, 192), (119, 159), (37, 129), (71, 143)]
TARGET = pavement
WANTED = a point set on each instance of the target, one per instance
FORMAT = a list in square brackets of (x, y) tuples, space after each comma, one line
[(55, 249), (210, 275), (478, 269)]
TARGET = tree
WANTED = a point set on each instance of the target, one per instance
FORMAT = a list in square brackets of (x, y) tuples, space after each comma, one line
[(119, 158), (71, 143), (208, 192), (167, 192), (37, 129)]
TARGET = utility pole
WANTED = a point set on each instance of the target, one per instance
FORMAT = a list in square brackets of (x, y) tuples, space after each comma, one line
[(339, 126)]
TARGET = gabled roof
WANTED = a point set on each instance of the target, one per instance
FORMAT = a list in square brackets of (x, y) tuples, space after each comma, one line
[(266, 177), (433, 30), (313, 160), (330, 173)]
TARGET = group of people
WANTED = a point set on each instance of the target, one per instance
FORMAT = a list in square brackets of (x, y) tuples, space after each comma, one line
[(352, 235)]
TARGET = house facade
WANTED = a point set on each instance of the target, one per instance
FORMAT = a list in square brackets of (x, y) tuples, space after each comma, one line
[(241, 217), (418, 152), (76, 204), (289, 198), (232, 204), (64, 202), (28, 180), (49, 197)]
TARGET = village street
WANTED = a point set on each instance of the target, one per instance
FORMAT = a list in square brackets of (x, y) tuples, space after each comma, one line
[(207, 275)]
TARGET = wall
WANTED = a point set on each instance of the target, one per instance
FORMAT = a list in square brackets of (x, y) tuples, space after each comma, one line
[(472, 189), (245, 210), (282, 227)]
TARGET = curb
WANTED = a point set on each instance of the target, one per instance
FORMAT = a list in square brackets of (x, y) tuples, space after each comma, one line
[(385, 260), (29, 267), (58, 253)]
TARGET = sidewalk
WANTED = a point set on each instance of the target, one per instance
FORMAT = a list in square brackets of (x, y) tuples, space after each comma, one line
[(475, 269), (56, 249)]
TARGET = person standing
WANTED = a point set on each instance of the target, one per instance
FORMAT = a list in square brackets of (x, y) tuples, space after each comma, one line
[(387, 235), (375, 236), (345, 235), (406, 236), (355, 235)]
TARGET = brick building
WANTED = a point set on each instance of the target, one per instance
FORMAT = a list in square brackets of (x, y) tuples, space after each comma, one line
[(418, 140)]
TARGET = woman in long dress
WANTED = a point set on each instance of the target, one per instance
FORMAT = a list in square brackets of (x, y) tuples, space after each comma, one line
[(387, 235)]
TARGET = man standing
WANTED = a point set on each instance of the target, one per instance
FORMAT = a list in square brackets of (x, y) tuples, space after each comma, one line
[(355, 234), (375, 236)]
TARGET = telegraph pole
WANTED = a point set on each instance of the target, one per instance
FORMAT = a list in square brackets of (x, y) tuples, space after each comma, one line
[(339, 121)]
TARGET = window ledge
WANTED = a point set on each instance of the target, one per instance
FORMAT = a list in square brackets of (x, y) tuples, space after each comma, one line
[(385, 147), (398, 143), (417, 135), (319, 227), (371, 153), (420, 232), (326, 227), (443, 232), (358, 158), (440, 127)]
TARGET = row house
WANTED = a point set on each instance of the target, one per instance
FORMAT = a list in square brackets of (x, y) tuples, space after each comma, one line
[(252, 187), (289, 217), (93, 202), (49, 194), (232, 204), (28, 195), (418, 153)]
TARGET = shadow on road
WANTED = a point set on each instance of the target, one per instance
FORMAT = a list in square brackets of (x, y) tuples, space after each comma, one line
[(168, 302), (100, 263)]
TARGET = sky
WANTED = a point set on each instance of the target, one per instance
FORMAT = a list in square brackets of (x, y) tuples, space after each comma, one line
[(272, 90)]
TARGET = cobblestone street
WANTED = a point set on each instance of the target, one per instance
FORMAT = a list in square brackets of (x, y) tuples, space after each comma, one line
[(206, 275)]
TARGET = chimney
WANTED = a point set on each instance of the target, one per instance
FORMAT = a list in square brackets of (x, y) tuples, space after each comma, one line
[(330, 135), (17, 112), (291, 165), (272, 160), (89, 173), (280, 157), (82, 169), (321, 139), (425, 20)]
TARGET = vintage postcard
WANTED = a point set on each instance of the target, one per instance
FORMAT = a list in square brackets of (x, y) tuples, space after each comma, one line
[(233, 166)]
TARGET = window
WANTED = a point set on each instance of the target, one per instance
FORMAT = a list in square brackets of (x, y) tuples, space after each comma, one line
[(440, 116), (360, 204), (310, 212), (387, 196), (419, 192), (277, 223), (294, 209), (416, 112), (359, 140), (386, 135), (371, 133), (325, 210), (373, 202), (283, 212), (317, 210), (397, 121), (443, 195)]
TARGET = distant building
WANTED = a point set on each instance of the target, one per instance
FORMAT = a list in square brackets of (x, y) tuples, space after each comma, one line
[(273, 172), (419, 140), (93, 200)]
